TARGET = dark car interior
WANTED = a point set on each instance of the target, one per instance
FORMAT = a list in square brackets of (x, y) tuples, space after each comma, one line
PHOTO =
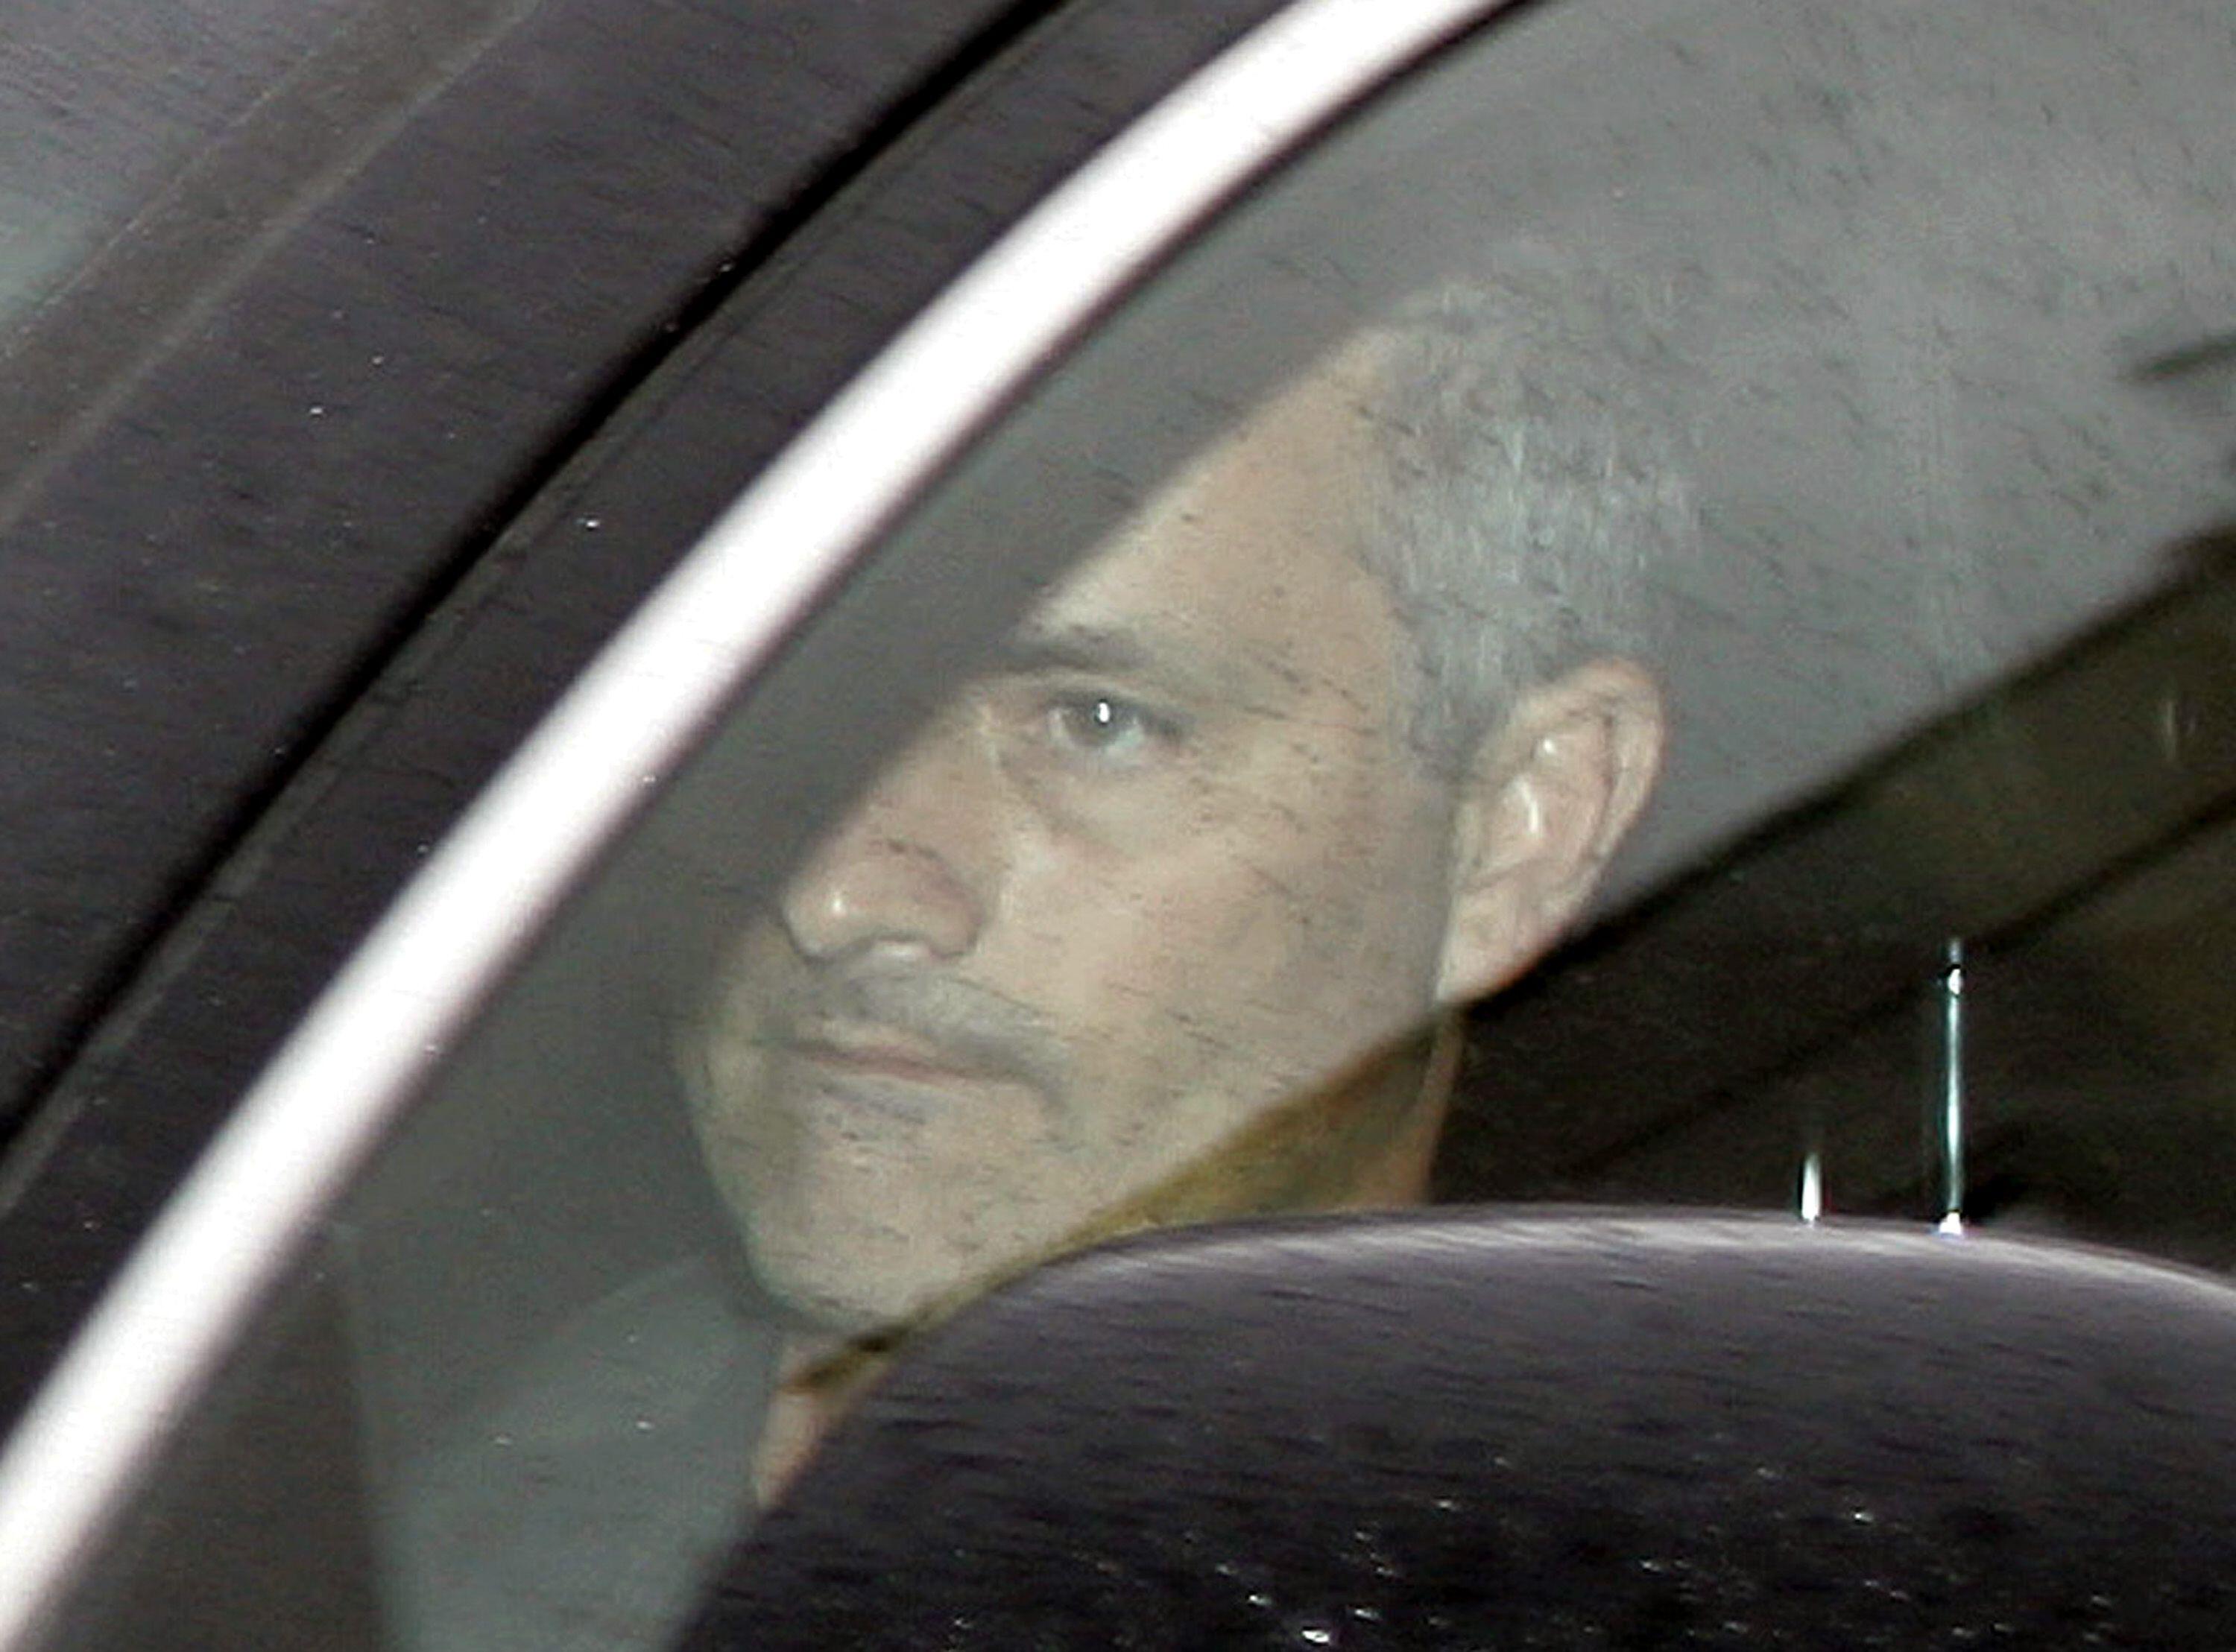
[(1450, 1430)]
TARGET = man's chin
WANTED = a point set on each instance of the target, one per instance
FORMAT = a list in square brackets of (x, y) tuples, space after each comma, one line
[(853, 1294)]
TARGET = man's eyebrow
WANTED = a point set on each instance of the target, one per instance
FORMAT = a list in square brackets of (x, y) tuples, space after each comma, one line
[(1127, 651), (1081, 648)]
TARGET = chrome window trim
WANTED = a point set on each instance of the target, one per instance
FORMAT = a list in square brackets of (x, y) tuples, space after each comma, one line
[(378, 1031)]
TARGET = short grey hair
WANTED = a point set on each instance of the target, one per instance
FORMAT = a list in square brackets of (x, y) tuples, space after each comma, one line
[(1521, 484)]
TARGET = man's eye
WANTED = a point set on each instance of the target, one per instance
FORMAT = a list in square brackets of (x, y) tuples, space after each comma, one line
[(1104, 725)]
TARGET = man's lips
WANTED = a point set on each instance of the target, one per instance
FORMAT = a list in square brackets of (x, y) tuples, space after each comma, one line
[(879, 1054)]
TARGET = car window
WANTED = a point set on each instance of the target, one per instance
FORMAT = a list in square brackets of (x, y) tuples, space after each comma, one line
[(1645, 622)]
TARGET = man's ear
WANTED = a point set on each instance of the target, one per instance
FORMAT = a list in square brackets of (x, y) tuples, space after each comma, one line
[(1541, 807)]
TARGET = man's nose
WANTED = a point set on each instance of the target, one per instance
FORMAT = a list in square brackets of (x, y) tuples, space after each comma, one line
[(914, 869)]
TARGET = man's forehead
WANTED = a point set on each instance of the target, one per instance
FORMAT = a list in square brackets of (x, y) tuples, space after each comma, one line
[(1253, 540)]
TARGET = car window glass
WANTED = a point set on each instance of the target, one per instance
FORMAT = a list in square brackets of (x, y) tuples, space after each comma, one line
[(1646, 623)]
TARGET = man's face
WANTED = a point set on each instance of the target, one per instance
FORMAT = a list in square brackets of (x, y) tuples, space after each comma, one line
[(1168, 864)]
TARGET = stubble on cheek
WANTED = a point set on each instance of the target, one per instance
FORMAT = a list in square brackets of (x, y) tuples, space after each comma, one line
[(864, 1199)]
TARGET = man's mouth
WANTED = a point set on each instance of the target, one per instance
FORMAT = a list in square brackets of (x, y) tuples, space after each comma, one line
[(879, 1053)]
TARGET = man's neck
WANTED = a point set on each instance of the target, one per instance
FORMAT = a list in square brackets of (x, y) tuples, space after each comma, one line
[(819, 1375)]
